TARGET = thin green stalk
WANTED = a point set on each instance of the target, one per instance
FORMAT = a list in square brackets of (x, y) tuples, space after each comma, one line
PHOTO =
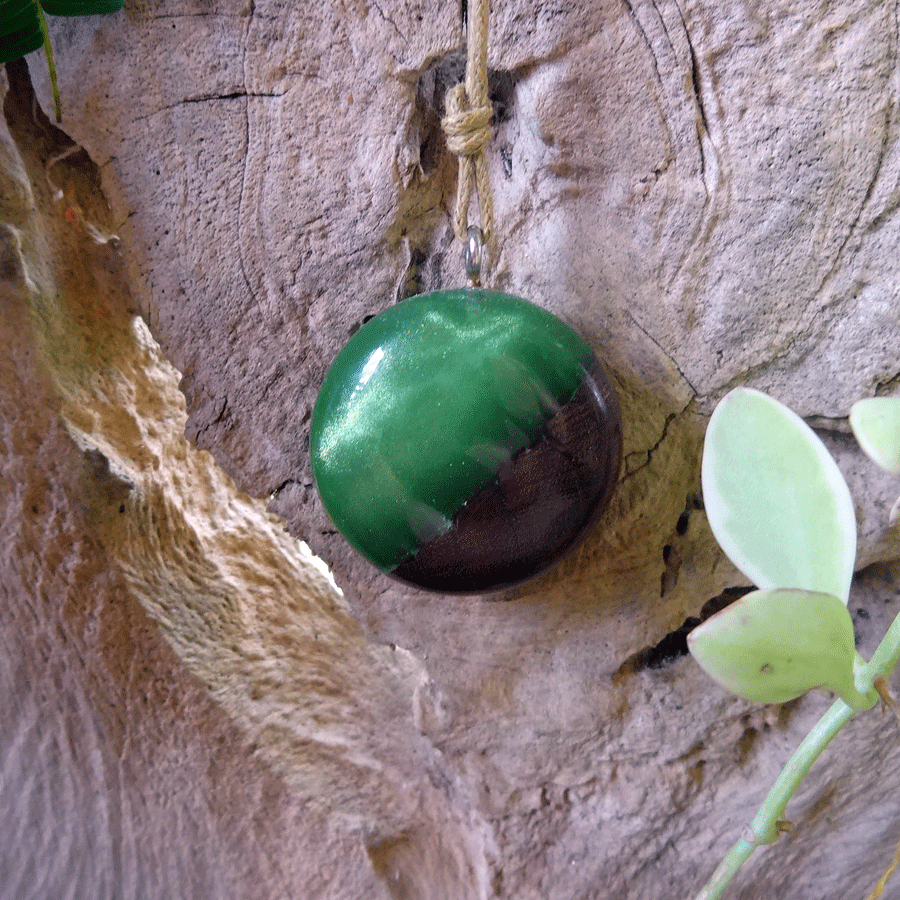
[(48, 52), (764, 828), (885, 656)]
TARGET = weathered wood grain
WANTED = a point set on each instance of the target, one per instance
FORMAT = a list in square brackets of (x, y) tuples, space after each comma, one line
[(707, 191)]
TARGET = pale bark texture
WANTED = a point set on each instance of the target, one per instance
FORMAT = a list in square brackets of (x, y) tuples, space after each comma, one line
[(189, 706)]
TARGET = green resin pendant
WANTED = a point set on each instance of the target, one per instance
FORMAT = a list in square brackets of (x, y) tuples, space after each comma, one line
[(464, 440)]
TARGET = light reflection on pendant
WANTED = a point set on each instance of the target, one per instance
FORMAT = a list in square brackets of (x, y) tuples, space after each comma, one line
[(464, 440)]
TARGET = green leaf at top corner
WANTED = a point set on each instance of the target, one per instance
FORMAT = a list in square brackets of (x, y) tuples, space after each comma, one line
[(775, 499), (80, 7), (20, 43), (773, 646), (876, 425), (20, 29)]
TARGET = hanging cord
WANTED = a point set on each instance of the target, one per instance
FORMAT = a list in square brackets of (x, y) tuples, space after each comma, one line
[(467, 126)]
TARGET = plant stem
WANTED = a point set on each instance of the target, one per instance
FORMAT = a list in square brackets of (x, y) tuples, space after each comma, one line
[(48, 52), (885, 656), (764, 828)]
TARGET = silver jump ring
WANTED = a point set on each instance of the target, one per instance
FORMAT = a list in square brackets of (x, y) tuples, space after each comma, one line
[(474, 251)]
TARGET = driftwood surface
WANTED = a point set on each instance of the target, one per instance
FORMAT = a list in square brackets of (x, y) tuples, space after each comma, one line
[(189, 706)]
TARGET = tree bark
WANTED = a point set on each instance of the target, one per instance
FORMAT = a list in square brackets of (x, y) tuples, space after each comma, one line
[(189, 706)]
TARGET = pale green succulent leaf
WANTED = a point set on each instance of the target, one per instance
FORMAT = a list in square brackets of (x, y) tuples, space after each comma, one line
[(876, 424), (774, 645), (775, 499)]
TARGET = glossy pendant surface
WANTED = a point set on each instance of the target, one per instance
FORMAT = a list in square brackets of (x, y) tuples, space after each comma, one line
[(464, 440)]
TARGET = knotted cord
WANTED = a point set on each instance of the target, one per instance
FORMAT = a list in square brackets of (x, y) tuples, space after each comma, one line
[(467, 126)]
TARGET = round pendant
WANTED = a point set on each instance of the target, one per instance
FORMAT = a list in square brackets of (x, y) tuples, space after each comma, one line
[(464, 440)]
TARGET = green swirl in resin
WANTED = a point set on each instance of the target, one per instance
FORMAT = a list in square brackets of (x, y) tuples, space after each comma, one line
[(425, 404)]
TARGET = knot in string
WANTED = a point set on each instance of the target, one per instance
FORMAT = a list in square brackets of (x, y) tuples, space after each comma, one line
[(467, 126)]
